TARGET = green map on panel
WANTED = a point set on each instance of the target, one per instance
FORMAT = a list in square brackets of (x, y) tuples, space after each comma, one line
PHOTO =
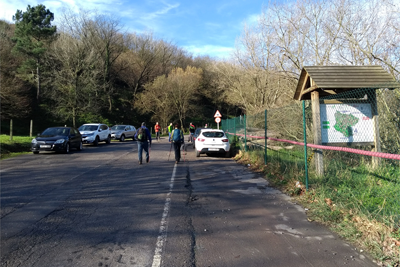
[(344, 122)]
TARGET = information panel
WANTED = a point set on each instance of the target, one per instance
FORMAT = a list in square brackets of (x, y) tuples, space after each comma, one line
[(346, 123)]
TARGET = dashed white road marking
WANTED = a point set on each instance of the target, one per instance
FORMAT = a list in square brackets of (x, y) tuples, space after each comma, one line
[(162, 237)]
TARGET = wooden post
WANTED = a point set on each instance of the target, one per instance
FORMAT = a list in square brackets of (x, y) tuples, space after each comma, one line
[(375, 120), (319, 161), (11, 130), (30, 129)]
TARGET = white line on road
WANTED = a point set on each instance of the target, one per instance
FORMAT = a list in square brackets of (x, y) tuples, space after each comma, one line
[(164, 223)]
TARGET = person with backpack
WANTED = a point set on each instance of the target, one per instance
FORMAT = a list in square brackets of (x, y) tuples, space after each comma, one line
[(177, 140), (142, 135)]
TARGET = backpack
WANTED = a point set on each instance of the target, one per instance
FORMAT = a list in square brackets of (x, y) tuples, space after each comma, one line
[(142, 136), (176, 135)]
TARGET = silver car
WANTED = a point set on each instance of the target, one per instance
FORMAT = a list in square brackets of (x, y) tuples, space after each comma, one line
[(121, 132)]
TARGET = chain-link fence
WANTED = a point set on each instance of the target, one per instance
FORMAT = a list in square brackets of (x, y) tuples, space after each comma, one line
[(357, 143)]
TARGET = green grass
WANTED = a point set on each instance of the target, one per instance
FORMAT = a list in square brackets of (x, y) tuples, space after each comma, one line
[(17, 146)]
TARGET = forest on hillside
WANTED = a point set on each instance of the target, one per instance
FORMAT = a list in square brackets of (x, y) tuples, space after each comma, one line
[(88, 68)]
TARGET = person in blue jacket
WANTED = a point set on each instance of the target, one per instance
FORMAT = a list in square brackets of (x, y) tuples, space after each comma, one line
[(177, 139), (142, 135)]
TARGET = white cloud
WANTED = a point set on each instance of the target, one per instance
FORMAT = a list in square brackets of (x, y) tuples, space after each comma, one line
[(253, 19), (160, 12), (9, 8), (215, 51)]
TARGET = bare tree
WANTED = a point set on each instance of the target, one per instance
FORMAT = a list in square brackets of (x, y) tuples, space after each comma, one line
[(75, 83), (156, 99), (253, 89), (184, 86), (141, 61), (289, 37), (171, 95), (104, 36)]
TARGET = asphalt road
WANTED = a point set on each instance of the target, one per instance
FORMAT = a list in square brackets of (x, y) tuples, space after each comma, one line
[(99, 207)]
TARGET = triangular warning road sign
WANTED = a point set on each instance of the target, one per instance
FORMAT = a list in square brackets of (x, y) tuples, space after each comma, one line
[(217, 114)]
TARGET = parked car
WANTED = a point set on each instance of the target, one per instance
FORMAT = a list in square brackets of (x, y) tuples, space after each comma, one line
[(211, 141), (196, 133), (59, 139), (93, 133), (121, 132)]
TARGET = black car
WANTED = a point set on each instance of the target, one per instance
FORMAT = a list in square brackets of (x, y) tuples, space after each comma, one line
[(59, 139)]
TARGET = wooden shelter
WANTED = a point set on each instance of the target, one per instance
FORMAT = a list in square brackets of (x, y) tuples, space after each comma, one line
[(328, 80), (321, 81)]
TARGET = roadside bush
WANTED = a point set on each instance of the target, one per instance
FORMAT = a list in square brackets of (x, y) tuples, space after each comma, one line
[(19, 144)]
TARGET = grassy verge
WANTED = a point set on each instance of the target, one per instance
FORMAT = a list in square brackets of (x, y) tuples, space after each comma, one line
[(359, 203), (19, 145)]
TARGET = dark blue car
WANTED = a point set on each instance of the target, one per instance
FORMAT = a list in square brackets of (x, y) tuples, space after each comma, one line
[(58, 139)]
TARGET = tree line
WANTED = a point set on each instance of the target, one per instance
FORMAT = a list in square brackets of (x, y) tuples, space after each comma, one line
[(89, 68)]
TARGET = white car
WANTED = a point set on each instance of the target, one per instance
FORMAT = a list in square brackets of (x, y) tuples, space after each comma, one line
[(121, 132), (93, 133), (212, 141)]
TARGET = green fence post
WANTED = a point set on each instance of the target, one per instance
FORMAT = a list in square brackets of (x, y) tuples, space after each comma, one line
[(245, 134), (305, 143), (234, 127), (265, 137)]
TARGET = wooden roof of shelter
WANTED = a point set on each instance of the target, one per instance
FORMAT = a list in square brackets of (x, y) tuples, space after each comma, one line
[(328, 80)]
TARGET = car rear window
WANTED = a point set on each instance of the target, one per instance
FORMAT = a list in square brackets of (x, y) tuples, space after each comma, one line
[(213, 134)]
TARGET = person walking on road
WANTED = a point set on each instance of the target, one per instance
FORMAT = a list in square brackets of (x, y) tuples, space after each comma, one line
[(157, 128), (170, 128), (192, 129), (142, 135), (177, 139)]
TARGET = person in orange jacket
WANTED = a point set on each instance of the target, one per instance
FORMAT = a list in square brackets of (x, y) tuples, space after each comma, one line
[(157, 128)]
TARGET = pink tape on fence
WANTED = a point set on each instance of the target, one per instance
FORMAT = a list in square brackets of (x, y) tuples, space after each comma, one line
[(336, 148)]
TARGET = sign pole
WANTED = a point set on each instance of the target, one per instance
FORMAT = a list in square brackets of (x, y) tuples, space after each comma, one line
[(217, 117)]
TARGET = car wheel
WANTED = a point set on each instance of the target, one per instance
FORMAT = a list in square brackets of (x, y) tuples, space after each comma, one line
[(197, 153), (35, 152), (80, 146), (66, 150), (96, 141), (108, 140), (122, 139), (228, 154)]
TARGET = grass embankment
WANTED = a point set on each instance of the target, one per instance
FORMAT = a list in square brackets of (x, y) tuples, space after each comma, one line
[(19, 145), (359, 203)]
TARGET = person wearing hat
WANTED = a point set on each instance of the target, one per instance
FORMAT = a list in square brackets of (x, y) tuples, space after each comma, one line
[(142, 135)]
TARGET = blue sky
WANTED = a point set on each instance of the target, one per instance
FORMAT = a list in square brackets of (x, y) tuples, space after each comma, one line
[(202, 27)]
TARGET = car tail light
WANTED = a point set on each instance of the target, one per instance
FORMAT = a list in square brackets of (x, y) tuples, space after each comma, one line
[(201, 139), (225, 140)]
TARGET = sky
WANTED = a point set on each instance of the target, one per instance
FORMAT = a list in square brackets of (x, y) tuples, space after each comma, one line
[(201, 27)]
